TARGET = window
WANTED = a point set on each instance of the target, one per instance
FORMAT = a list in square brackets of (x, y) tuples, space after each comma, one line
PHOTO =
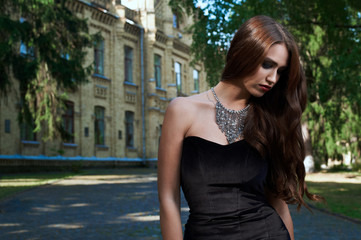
[(157, 70), (175, 21), (99, 126), (68, 122), (27, 131), (119, 134), (160, 134), (178, 76), (129, 129), (7, 125), (196, 80), (128, 64), (99, 57)]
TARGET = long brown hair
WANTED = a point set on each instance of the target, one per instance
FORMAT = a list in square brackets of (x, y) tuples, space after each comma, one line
[(273, 124)]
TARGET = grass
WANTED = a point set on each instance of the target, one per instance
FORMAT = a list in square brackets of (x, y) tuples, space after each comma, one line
[(10, 184), (342, 197)]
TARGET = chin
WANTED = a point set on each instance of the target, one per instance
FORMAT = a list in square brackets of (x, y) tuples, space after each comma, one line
[(258, 95)]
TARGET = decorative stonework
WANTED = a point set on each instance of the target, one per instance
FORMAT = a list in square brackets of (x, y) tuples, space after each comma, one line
[(130, 14), (100, 91), (130, 97), (104, 18), (181, 55), (101, 80), (75, 6), (129, 28), (98, 27), (161, 38), (181, 47), (98, 12), (157, 103), (129, 38)]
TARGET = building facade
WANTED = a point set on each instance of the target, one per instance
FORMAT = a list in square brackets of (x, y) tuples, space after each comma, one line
[(140, 66)]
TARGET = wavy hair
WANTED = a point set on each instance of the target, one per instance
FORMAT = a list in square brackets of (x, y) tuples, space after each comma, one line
[(274, 120)]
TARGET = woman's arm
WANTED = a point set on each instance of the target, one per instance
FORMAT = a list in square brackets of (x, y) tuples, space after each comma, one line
[(282, 209), (169, 154)]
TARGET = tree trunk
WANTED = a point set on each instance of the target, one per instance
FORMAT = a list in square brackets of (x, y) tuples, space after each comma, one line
[(309, 162)]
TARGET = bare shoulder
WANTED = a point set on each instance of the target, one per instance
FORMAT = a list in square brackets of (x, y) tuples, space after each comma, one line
[(188, 104), (183, 111)]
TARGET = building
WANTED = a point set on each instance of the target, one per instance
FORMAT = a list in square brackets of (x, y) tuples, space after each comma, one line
[(142, 64)]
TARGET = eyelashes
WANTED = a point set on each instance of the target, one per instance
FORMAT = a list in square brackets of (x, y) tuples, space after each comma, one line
[(270, 65), (267, 65)]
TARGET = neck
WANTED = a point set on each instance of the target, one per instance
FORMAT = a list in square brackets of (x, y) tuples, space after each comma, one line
[(231, 96)]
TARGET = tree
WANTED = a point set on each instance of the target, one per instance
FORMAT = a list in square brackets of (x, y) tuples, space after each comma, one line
[(42, 47), (328, 33)]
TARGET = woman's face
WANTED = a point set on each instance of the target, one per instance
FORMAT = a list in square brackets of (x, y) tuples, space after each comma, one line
[(268, 72)]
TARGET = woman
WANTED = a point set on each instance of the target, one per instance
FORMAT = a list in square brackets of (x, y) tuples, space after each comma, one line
[(237, 150)]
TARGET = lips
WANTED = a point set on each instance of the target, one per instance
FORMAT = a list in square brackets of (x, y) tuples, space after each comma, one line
[(265, 88)]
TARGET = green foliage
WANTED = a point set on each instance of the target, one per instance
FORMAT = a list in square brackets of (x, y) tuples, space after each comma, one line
[(53, 43), (338, 168), (356, 167), (328, 33), (56, 152)]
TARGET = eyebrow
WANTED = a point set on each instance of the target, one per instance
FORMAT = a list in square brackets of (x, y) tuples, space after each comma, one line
[(273, 62)]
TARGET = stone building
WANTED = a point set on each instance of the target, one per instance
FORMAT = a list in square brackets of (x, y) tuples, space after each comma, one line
[(142, 64)]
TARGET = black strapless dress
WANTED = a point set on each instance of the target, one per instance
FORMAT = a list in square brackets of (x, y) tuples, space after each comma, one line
[(224, 188)]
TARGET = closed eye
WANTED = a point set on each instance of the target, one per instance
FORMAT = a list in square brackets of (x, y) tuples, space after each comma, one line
[(267, 65)]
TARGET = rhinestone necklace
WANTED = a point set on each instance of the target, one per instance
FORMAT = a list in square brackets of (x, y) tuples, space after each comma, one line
[(230, 122)]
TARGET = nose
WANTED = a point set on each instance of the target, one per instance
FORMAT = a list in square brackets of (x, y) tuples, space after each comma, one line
[(272, 77)]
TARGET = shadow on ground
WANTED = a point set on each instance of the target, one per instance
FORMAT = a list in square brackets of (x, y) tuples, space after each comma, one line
[(121, 204), (110, 206)]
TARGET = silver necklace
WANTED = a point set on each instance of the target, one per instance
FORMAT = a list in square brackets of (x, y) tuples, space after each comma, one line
[(230, 122)]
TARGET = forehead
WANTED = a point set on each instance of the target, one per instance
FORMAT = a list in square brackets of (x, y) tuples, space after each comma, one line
[(278, 53)]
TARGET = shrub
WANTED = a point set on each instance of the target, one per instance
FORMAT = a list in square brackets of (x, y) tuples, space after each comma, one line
[(356, 167)]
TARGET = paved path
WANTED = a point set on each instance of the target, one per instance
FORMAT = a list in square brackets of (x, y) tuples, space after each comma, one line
[(121, 204)]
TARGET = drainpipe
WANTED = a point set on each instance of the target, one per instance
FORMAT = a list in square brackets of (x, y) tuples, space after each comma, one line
[(143, 90), (142, 85)]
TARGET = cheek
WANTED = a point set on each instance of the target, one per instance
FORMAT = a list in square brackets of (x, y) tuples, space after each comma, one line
[(248, 83), (262, 71)]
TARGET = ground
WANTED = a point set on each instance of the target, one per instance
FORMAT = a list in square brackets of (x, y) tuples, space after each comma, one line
[(122, 204)]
